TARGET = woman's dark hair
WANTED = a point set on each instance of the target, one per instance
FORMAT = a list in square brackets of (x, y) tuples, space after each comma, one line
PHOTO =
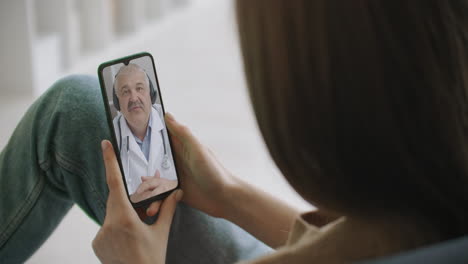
[(363, 104)]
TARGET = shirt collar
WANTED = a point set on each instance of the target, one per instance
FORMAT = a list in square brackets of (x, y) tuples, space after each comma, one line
[(148, 129)]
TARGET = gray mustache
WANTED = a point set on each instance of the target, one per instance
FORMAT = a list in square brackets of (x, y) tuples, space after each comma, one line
[(133, 104)]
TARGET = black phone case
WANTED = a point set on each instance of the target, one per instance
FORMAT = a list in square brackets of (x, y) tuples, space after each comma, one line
[(125, 60)]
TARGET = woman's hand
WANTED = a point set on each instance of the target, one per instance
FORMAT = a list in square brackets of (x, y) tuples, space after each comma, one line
[(206, 183), (209, 187), (124, 238)]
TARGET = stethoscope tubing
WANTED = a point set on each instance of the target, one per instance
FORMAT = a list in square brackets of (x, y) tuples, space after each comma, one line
[(128, 142)]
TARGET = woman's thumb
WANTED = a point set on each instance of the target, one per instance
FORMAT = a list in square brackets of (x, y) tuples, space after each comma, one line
[(180, 131)]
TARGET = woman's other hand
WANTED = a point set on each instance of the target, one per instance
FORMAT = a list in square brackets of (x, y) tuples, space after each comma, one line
[(209, 187), (205, 182)]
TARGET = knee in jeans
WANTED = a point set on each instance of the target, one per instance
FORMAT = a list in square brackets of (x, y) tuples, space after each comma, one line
[(76, 87), (78, 97)]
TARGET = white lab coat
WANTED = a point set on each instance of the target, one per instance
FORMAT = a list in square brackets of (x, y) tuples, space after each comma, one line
[(133, 160)]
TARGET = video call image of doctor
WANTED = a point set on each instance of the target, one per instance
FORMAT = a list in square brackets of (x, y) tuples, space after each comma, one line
[(141, 135)]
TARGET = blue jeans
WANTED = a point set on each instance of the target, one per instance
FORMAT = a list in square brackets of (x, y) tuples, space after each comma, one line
[(53, 160)]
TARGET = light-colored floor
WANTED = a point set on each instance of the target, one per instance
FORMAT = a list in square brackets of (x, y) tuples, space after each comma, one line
[(200, 72)]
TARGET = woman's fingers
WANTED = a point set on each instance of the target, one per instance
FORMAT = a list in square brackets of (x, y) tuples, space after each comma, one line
[(153, 208), (163, 224), (181, 131)]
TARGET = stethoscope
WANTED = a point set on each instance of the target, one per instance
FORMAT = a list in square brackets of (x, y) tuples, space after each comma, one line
[(165, 164)]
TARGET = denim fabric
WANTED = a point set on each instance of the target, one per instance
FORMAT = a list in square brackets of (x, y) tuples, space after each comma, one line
[(53, 160)]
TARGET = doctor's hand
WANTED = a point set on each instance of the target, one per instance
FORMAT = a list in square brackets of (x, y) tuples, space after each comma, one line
[(206, 183), (151, 186), (123, 237)]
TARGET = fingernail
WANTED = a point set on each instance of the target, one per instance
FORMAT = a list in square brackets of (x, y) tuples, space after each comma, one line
[(148, 212), (104, 145), (170, 116), (179, 195)]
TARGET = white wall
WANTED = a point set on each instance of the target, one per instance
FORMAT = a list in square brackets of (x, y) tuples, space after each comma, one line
[(44, 39), (16, 51)]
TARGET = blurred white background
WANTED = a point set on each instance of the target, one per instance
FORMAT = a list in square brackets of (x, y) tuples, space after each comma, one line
[(199, 66)]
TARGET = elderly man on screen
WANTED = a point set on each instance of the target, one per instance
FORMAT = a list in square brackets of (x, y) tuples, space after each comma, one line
[(141, 135)]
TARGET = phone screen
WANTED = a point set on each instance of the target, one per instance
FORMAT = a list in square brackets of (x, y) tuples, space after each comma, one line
[(136, 116)]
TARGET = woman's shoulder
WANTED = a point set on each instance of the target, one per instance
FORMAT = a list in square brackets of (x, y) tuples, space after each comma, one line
[(303, 245), (344, 240)]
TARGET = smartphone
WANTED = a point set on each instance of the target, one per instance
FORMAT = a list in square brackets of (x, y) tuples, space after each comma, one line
[(135, 115)]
